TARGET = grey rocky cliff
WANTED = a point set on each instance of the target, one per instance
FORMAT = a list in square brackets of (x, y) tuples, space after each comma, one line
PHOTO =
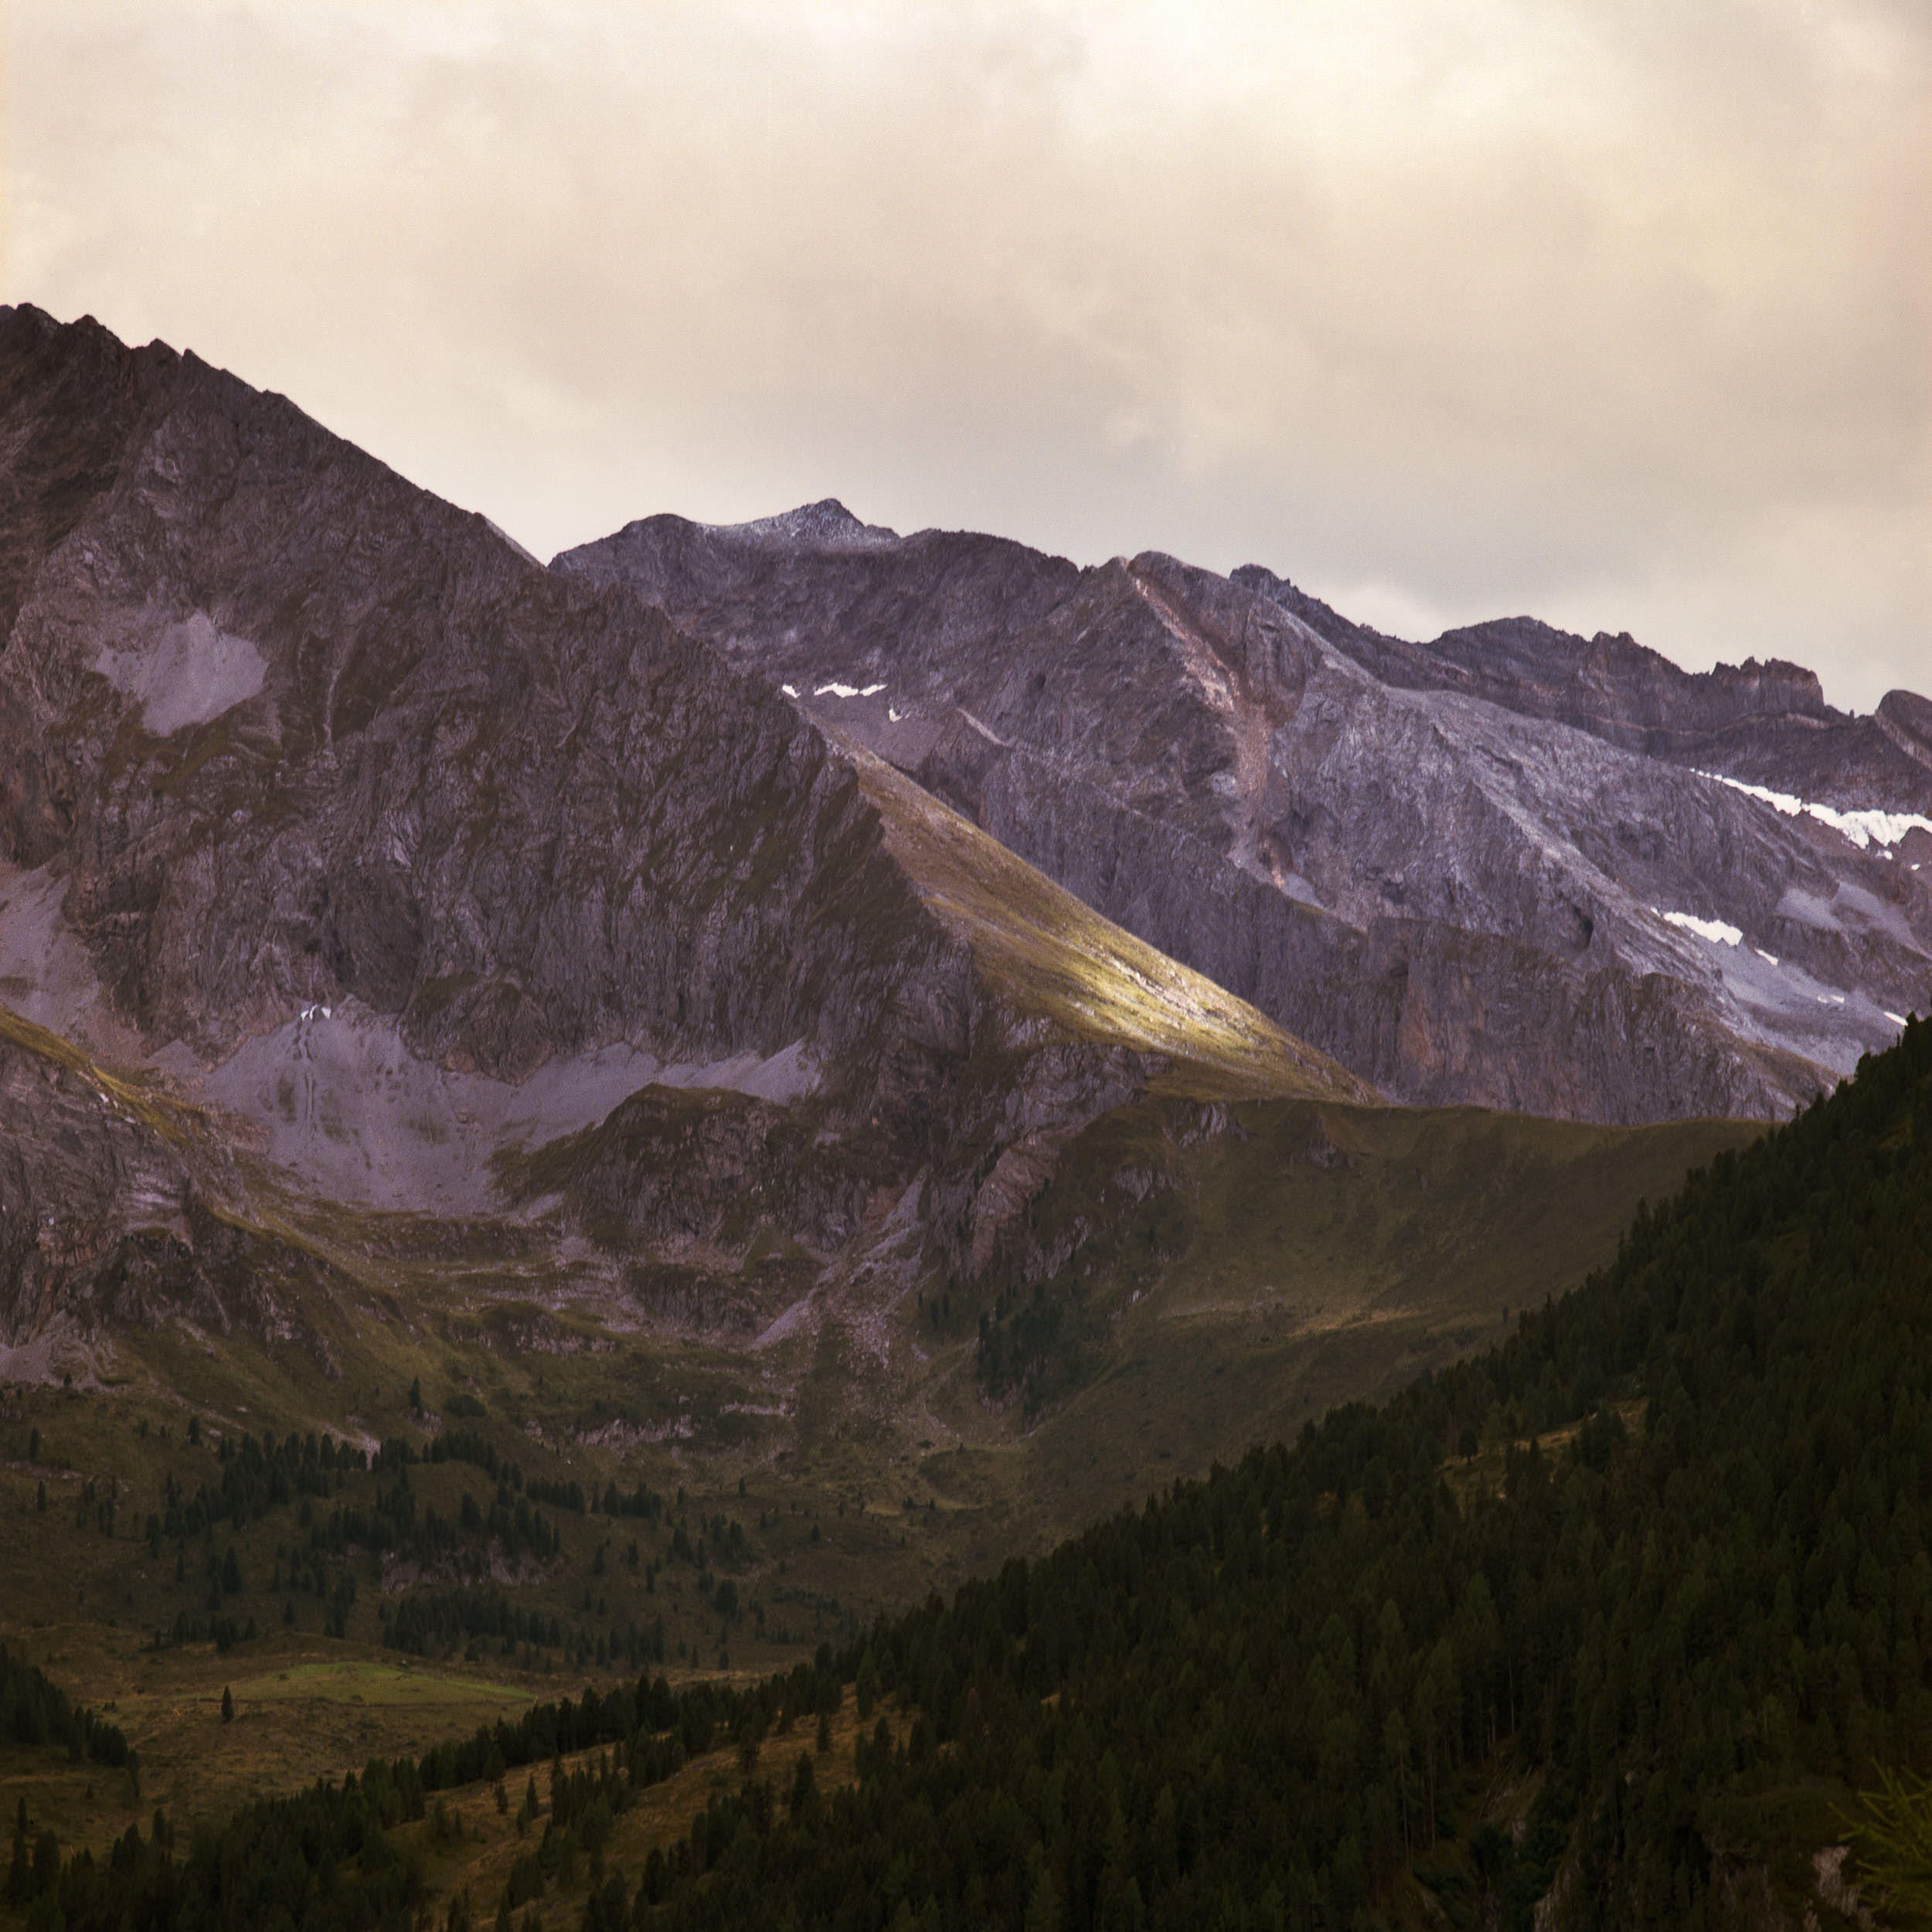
[(1767, 723), (105, 1218), (1449, 866), (420, 771)]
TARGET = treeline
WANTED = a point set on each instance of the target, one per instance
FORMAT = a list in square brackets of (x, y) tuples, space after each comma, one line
[(348, 1502), (37, 1713), (257, 1474), (469, 1446), (430, 1622), (261, 1474), (1610, 1617)]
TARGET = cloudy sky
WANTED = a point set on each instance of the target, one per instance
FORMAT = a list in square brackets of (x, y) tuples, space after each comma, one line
[(1618, 312)]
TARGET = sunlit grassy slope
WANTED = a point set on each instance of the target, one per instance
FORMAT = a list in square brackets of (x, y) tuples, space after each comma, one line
[(1052, 955), (136, 1099)]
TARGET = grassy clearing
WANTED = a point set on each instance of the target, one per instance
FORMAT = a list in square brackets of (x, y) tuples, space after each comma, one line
[(303, 1709), (360, 1680), (312, 1716)]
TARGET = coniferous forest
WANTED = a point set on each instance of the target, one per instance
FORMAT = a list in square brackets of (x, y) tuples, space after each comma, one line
[(1621, 1615)]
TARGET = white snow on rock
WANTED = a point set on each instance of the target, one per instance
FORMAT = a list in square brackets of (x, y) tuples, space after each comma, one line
[(1715, 931), (847, 691), (1769, 959), (1863, 829), (1897, 1019), (790, 690)]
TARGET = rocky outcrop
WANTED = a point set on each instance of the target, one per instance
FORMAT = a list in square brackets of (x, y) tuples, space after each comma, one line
[(387, 758), (1767, 723), (1477, 871), (103, 1218)]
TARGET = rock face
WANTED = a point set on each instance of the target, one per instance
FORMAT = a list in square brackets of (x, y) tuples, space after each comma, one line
[(302, 734), (105, 1216), (1489, 869), (321, 800), (1767, 724)]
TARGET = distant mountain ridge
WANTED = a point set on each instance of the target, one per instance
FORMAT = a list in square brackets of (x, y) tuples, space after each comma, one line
[(758, 931), (1487, 870), (1759, 721)]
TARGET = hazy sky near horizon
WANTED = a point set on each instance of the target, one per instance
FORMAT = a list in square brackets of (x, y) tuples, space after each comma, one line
[(1617, 311)]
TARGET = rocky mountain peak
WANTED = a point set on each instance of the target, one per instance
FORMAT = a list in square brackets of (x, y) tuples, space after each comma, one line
[(826, 525), (1905, 718)]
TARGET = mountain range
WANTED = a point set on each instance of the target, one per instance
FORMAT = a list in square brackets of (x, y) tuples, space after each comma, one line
[(802, 1065), (1512, 868), (726, 918)]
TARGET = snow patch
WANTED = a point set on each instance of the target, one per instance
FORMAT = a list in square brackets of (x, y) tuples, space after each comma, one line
[(1863, 829), (1715, 931), (1897, 1019), (1770, 959), (790, 690), (847, 691)]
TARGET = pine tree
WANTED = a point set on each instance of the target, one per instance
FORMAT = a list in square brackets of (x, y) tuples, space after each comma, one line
[(17, 1873)]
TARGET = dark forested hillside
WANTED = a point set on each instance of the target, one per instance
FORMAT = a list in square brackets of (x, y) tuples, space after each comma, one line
[(1616, 1615)]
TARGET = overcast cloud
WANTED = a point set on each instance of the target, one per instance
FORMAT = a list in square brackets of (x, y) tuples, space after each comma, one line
[(1617, 312)]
